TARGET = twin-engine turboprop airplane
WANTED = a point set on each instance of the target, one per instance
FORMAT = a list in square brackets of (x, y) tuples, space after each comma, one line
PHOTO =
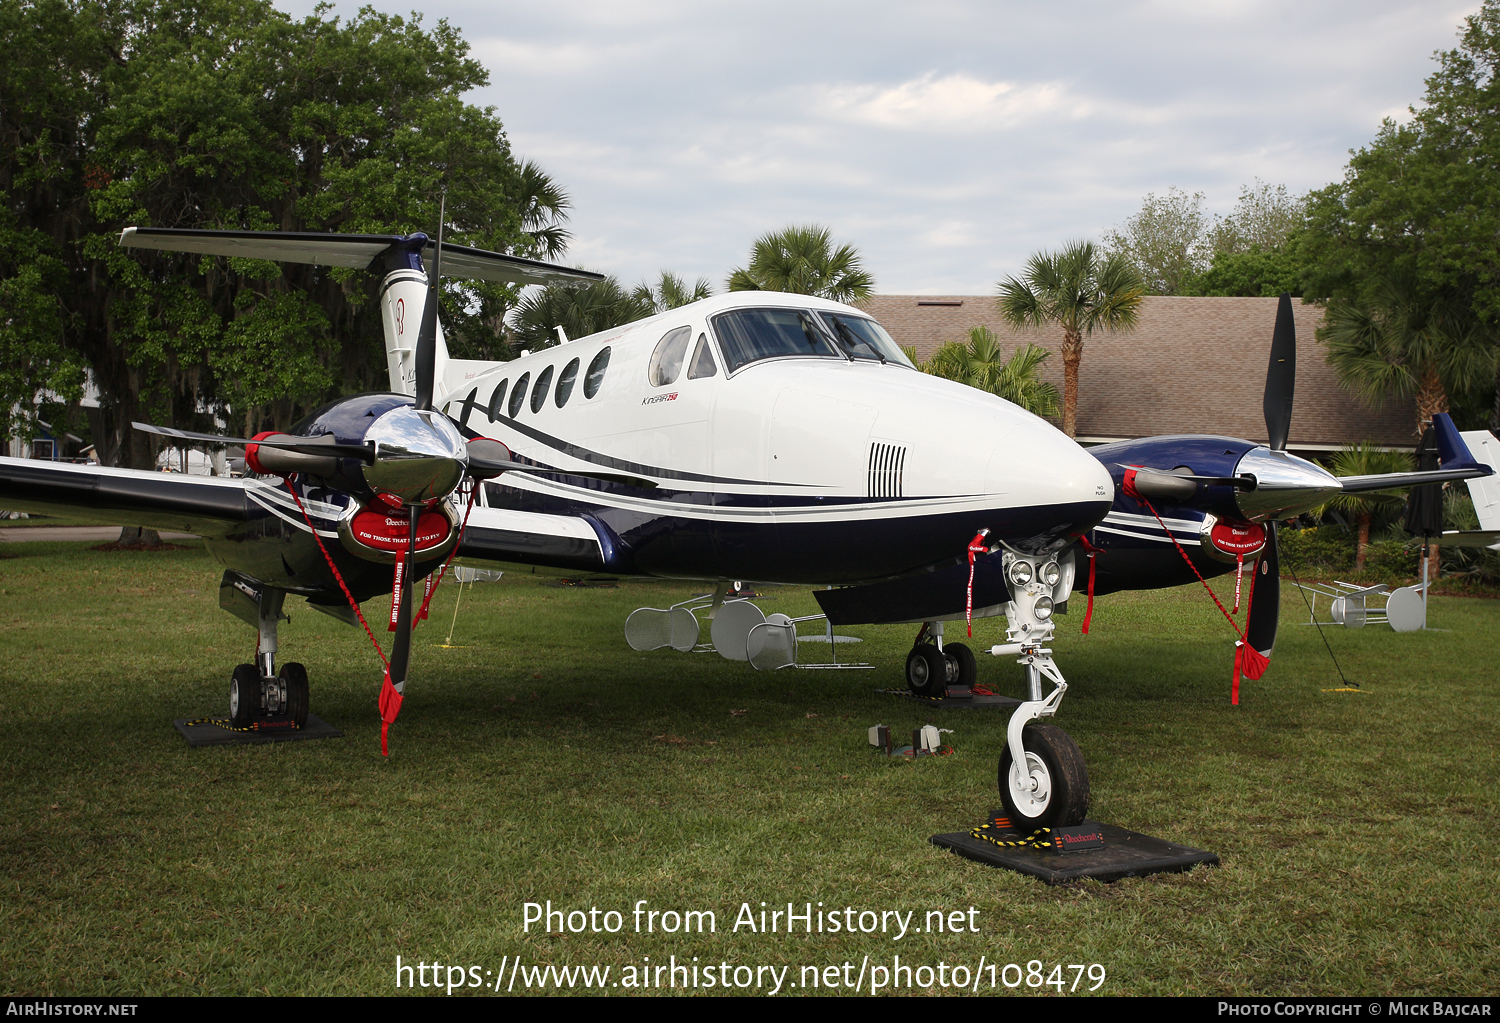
[(756, 436)]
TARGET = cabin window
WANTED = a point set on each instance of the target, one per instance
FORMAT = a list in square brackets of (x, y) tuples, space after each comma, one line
[(863, 338), (750, 335), (666, 361), (539, 392), (518, 395), (565, 383), (595, 376), (497, 401), (703, 360)]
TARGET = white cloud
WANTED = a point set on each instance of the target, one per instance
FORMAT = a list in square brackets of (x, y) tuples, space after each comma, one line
[(948, 140), (954, 102)]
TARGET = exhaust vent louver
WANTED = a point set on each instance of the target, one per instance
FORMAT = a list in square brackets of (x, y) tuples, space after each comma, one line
[(886, 464)]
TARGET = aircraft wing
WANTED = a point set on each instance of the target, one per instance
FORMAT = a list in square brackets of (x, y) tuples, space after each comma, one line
[(352, 251), (533, 538), (205, 505)]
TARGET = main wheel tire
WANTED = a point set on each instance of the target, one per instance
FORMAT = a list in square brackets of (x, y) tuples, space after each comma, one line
[(1054, 792), (927, 671), (294, 681), (965, 672), (244, 696)]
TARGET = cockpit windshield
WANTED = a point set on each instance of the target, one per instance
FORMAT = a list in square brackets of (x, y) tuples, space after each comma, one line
[(863, 338), (750, 335)]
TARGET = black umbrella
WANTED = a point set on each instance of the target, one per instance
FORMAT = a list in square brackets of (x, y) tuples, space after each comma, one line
[(1424, 506)]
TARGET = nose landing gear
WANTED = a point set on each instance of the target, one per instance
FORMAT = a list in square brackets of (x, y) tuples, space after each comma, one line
[(1043, 780)]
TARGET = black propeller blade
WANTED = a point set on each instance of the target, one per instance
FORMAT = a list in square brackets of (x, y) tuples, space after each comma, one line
[(427, 337), (1281, 376), (1265, 602), (285, 441), (1281, 387), (401, 648)]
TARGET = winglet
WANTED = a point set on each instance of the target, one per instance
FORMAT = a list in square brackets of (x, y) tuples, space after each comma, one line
[(1453, 453)]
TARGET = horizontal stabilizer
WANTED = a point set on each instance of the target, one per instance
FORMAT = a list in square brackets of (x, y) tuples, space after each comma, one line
[(354, 252), (1456, 462)]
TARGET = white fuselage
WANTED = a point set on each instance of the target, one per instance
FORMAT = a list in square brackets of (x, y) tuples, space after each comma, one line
[(799, 440)]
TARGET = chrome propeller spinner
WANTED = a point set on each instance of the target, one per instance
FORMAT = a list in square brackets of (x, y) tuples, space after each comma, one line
[(419, 455)]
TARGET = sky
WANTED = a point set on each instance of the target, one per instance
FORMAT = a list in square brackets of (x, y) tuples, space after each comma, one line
[(946, 141)]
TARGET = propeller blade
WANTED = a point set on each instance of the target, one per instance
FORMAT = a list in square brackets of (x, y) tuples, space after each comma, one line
[(401, 648), (427, 338), (1265, 604), (1181, 487), (1281, 376), (285, 441)]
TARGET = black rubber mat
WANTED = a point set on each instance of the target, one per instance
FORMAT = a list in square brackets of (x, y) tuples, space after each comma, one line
[(957, 699), (216, 732), (1125, 854)]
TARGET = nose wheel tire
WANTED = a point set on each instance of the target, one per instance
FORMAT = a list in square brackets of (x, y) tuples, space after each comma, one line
[(927, 671), (294, 679), (1052, 789), (244, 696)]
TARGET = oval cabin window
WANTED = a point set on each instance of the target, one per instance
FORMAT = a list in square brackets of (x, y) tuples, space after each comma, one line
[(595, 377), (518, 396), (539, 392), (565, 383)]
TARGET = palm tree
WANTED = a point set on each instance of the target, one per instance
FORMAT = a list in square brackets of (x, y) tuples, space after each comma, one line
[(1365, 459), (672, 292), (1404, 342), (802, 260), (981, 364), (579, 311), (1081, 291), (544, 207)]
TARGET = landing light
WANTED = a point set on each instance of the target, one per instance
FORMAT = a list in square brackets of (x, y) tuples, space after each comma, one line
[(1020, 573), (1050, 573), (1043, 608)]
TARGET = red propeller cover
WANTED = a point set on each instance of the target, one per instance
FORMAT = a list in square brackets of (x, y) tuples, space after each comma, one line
[(386, 532), (1238, 539)]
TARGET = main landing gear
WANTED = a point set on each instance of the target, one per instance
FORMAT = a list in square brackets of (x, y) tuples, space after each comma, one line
[(1043, 780), (932, 667), (259, 694)]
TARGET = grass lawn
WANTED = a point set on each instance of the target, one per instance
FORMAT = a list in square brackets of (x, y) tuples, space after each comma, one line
[(542, 759)]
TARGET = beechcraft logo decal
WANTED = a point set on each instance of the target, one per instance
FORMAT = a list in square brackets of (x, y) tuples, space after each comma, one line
[(659, 397)]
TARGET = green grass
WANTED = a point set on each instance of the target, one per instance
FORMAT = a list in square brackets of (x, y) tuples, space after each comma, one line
[(543, 759)]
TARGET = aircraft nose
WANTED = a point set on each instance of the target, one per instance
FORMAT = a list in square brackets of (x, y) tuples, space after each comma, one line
[(1045, 466)]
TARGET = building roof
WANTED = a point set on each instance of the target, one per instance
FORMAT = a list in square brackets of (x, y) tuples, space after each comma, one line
[(1192, 365)]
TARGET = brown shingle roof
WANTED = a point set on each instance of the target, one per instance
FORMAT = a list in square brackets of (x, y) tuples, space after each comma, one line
[(1192, 365)]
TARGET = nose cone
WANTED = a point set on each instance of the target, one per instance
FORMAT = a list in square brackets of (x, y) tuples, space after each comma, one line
[(1043, 487), (419, 455), (1041, 465), (1285, 485)]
